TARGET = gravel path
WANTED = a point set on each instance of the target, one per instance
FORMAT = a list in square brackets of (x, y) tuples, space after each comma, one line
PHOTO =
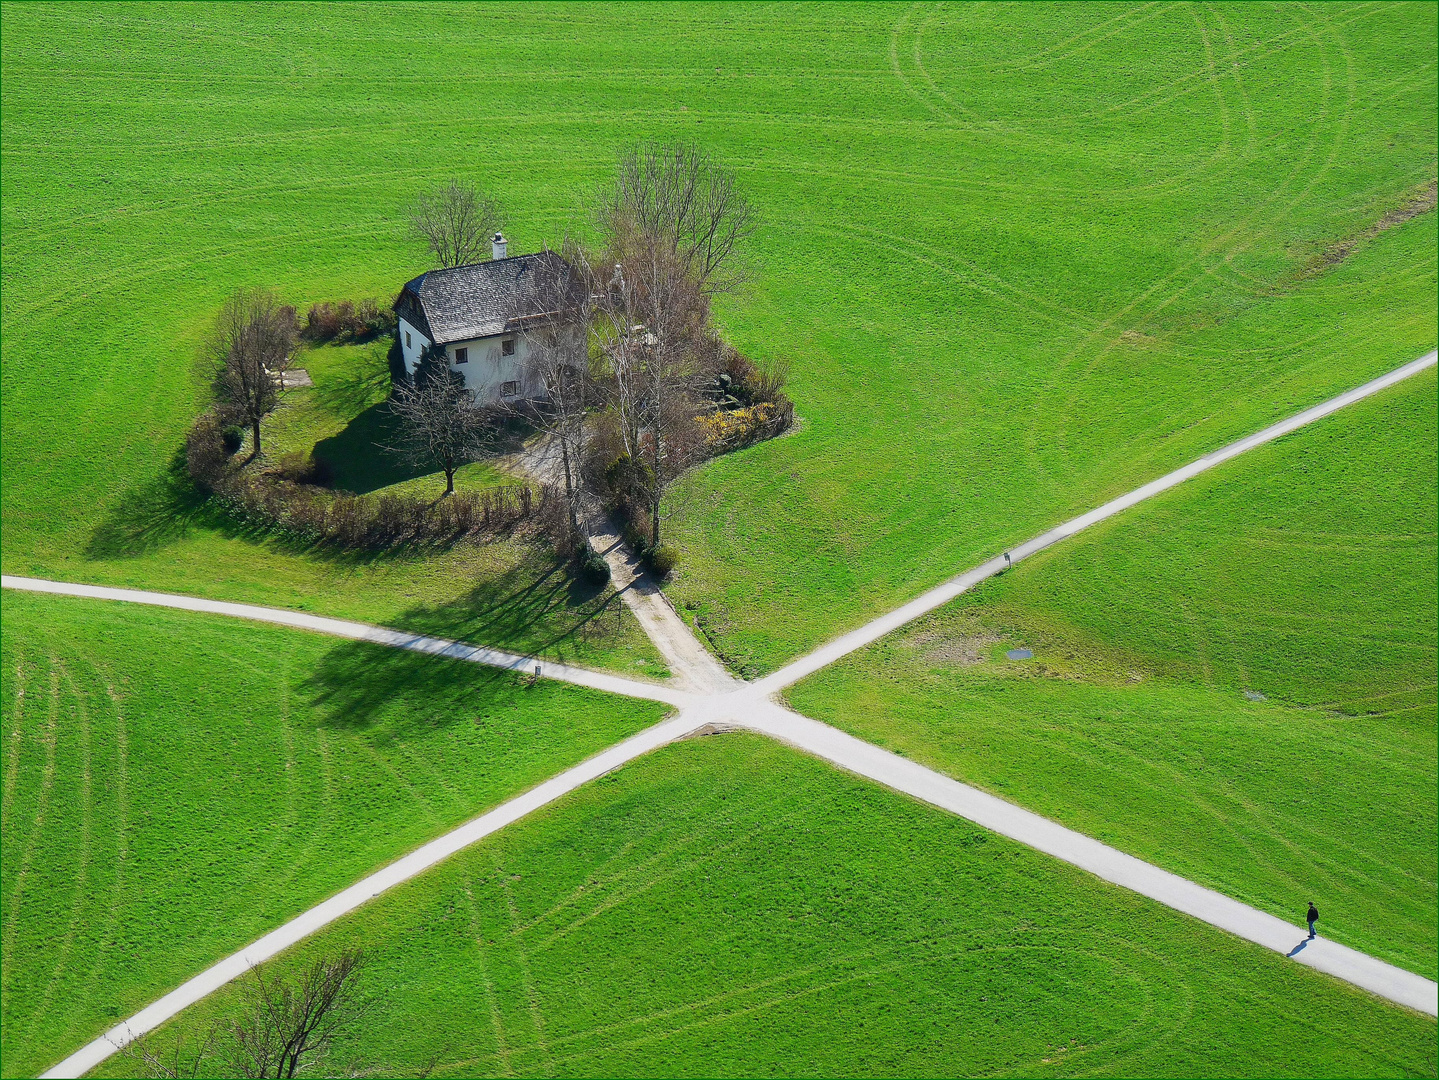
[(691, 664), (943, 594), (398, 872), (1101, 860), (722, 699), (356, 631)]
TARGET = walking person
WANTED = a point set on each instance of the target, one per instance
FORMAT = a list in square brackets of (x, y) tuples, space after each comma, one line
[(1311, 917)]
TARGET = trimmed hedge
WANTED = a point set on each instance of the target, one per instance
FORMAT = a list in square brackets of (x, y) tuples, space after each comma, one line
[(357, 521)]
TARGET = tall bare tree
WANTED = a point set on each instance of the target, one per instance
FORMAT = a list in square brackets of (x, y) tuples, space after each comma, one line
[(287, 1025), (661, 355), (555, 313), (673, 221), (676, 196), (250, 349), (441, 424), (283, 1026), (456, 221)]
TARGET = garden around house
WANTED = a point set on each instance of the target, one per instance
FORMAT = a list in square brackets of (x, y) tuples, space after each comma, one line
[(1019, 261), (341, 422)]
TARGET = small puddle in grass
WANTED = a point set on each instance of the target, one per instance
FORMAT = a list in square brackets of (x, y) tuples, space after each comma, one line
[(1020, 654)]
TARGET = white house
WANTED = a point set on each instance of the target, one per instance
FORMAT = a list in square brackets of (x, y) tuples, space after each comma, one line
[(478, 313)]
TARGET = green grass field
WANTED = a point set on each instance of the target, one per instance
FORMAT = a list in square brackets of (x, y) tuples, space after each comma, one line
[(1305, 572), (177, 785), (1021, 261), (712, 911)]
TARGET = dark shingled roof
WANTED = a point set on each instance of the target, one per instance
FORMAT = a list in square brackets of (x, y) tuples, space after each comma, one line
[(482, 299)]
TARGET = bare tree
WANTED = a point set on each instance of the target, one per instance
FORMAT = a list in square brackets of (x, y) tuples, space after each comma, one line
[(441, 424), (673, 220), (661, 355), (250, 349), (555, 315), (182, 1061), (286, 1026), (456, 221), (283, 1026), (676, 196)]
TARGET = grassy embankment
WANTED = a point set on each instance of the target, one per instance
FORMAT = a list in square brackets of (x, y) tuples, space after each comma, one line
[(177, 785), (1020, 265), (713, 910), (1303, 572)]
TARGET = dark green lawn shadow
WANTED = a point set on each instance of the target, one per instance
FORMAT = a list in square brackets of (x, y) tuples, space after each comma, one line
[(536, 608), (167, 508), (359, 459), (151, 515)]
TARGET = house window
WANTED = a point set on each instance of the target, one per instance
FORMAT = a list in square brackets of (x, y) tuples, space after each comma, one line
[(507, 347), (407, 340), (509, 389), (462, 356)]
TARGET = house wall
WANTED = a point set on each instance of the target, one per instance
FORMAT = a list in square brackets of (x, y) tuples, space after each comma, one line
[(486, 368), (411, 352)]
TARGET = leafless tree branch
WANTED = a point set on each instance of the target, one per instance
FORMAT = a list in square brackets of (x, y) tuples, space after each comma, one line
[(441, 423), (677, 196), (182, 1061), (660, 351), (456, 222), (288, 1025), (250, 348), (557, 355), (283, 1028)]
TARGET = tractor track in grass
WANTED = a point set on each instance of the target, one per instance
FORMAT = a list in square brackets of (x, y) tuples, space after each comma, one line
[(12, 747), (85, 799), (751, 706), (121, 783), (42, 806)]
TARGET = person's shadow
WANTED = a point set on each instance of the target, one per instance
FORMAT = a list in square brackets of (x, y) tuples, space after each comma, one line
[(1299, 948)]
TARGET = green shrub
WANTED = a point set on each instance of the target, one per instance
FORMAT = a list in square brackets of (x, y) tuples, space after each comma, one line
[(635, 532), (594, 569), (662, 559), (626, 477)]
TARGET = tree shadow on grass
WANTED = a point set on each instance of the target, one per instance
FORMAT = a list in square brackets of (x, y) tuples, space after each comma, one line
[(152, 515), (347, 392), (357, 459), (534, 608), (166, 508)]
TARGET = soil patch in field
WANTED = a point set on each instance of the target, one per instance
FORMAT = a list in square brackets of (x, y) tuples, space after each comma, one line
[(1421, 201), (965, 651)]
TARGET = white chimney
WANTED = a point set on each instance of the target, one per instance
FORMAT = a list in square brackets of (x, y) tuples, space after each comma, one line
[(497, 246)]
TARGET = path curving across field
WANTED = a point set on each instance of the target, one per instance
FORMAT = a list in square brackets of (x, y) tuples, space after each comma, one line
[(872, 631), (357, 631), (750, 705)]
